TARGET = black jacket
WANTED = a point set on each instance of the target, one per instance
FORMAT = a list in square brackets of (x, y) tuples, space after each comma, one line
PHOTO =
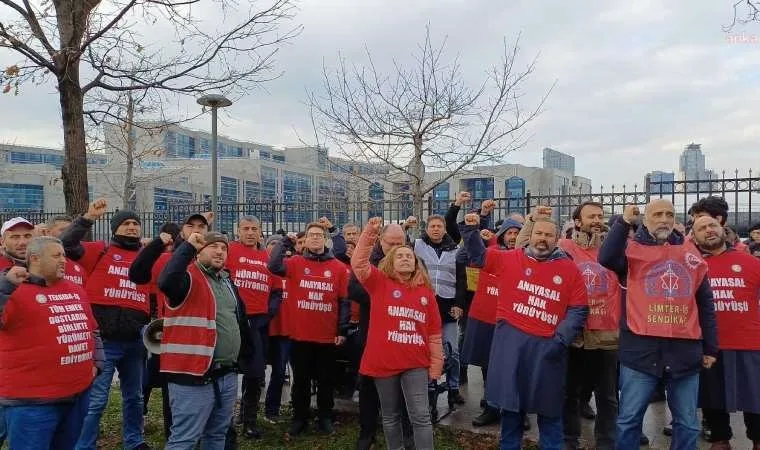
[(656, 355), (174, 282), (277, 267), (116, 323)]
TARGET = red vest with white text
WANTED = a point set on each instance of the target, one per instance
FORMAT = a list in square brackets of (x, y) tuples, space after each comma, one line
[(604, 292), (109, 284), (278, 326), (189, 336), (314, 290), (75, 273), (662, 284), (735, 282), (46, 342), (486, 296), (534, 295), (248, 270)]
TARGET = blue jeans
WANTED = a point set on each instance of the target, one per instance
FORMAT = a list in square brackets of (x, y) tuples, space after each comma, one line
[(549, 432), (53, 426), (280, 350), (128, 357), (450, 336), (202, 413), (3, 430), (636, 389)]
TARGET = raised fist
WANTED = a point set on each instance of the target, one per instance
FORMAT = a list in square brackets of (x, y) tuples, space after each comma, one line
[(472, 219), (462, 198), (17, 275), (96, 210), (375, 224), (486, 235), (166, 238), (196, 240), (487, 207), (209, 215), (631, 214), (542, 212), (325, 222)]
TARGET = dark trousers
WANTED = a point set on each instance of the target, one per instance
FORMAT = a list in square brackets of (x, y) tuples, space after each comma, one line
[(279, 354), (154, 378), (252, 381), (312, 361), (599, 369), (369, 407), (720, 423)]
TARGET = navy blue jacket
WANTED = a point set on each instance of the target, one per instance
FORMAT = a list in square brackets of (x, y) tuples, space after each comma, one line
[(657, 355)]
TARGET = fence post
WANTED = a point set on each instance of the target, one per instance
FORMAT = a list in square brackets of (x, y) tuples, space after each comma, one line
[(430, 207), (273, 204), (527, 203)]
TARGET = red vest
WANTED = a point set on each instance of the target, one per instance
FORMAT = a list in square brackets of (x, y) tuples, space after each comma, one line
[(662, 284), (486, 296), (75, 273), (402, 319), (189, 336), (278, 326), (5, 262), (248, 270), (735, 282), (109, 284), (534, 295), (604, 293), (314, 288), (46, 342), (155, 271)]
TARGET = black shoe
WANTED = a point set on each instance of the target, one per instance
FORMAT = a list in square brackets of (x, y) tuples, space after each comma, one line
[(325, 426), (587, 412), (298, 427), (365, 443), (483, 403), (433, 415), (463, 376), (253, 432), (668, 430), (487, 417), (455, 397), (526, 423), (644, 441)]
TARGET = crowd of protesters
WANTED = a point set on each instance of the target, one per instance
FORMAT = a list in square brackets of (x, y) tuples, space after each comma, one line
[(626, 310)]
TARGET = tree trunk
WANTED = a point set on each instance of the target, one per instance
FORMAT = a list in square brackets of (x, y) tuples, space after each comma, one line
[(74, 171), (418, 176), (129, 187)]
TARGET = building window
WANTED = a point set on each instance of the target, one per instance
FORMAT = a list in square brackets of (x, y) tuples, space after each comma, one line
[(163, 200), (278, 158), (515, 189), (21, 197), (481, 189), (228, 196), (332, 199), (376, 196), (296, 193), (441, 198), (263, 154), (268, 184)]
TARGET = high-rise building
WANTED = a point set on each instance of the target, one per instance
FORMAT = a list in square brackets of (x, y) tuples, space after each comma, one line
[(660, 182), (691, 164), (558, 160)]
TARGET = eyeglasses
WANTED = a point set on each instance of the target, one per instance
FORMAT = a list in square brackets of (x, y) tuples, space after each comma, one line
[(315, 235)]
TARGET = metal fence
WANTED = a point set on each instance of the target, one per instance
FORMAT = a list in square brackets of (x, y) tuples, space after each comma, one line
[(741, 193)]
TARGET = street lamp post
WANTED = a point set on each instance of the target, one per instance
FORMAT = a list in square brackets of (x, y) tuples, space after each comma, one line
[(214, 101)]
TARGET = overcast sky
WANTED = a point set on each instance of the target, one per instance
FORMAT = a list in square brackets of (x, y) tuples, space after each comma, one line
[(636, 80)]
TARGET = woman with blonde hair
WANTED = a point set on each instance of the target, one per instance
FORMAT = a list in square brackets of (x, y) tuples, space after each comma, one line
[(404, 349)]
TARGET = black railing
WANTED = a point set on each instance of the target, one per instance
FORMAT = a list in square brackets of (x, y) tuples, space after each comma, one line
[(741, 193)]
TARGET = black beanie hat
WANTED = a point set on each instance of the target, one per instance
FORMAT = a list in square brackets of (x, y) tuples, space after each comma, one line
[(120, 217)]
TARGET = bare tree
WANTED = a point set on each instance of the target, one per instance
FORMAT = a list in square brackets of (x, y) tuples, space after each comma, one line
[(744, 11), (93, 45), (425, 116)]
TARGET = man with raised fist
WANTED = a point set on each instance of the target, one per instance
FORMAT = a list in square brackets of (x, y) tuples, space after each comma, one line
[(541, 307), (667, 326), (205, 342), (121, 308)]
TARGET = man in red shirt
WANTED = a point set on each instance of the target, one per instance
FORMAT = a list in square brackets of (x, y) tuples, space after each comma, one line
[(317, 288), (261, 293), (50, 347), (74, 271), (542, 306), (732, 383)]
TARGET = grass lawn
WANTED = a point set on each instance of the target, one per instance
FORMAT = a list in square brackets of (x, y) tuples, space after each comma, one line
[(345, 435)]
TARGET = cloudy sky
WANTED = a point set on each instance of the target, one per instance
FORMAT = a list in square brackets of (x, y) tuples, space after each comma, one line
[(636, 81)]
